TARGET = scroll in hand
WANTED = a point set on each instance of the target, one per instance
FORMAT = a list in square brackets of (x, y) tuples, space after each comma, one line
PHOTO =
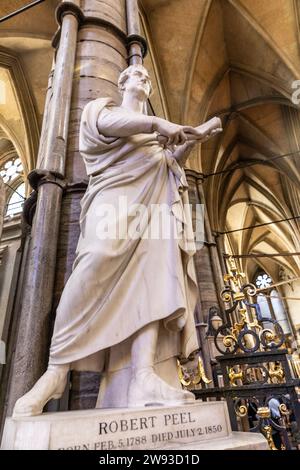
[(201, 133)]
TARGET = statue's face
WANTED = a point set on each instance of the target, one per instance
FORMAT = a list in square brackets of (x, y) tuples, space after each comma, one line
[(138, 83)]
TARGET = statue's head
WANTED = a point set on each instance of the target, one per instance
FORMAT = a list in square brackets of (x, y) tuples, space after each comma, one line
[(135, 78)]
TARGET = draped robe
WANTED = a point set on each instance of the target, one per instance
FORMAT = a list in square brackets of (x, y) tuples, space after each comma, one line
[(119, 285)]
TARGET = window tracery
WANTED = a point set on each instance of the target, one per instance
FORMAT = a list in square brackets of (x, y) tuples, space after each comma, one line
[(263, 280), (11, 169)]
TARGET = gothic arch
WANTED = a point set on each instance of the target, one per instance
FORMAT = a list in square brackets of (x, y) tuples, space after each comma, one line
[(28, 150)]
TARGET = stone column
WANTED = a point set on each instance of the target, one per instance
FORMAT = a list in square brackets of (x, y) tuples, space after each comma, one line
[(209, 268), (46, 115), (221, 250), (2, 204), (209, 273), (136, 44), (34, 327), (206, 284), (210, 242)]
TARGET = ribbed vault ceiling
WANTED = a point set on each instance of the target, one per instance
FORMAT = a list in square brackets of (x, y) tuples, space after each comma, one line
[(232, 58), (237, 59)]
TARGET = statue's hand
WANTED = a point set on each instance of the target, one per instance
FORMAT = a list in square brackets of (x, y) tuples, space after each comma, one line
[(182, 152), (163, 141), (207, 130), (173, 134)]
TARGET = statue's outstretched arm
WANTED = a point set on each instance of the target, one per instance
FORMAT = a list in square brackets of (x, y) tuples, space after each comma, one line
[(121, 123), (118, 122)]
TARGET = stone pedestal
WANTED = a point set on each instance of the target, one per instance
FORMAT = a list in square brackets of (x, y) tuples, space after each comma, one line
[(196, 426)]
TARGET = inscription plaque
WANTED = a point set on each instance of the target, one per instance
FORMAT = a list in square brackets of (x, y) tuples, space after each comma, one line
[(119, 429)]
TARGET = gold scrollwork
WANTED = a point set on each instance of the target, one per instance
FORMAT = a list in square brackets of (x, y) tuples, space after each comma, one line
[(201, 373), (241, 411), (238, 296), (227, 277), (229, 341), (235, 275), (250, 289), (267, 431), (183, 376), (269, 335), (284, 409), (193, 377), (237, 328), (233, 376), (255, 324), (226, 296), (276, 372)]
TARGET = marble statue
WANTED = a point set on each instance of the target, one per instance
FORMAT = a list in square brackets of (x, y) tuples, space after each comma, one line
[(127, 308)]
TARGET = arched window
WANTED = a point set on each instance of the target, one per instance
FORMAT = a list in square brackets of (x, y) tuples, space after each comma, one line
[(270, 302), (262, 300), (279, 311), (15, 202), (11, 171)]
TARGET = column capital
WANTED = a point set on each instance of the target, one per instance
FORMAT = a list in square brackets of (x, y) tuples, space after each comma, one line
[(199, 177), (215, 234), (38, 177), (69, 7), (83, 19), (209, 243), (139, 40)]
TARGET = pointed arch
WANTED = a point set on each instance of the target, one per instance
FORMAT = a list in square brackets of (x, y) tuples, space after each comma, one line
[(26, 108)]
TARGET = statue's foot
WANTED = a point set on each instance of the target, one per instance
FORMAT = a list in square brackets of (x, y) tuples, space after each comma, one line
[(148, 389), (50, 386)]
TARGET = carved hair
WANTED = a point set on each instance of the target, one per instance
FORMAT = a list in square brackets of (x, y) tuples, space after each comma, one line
[(127, 72)]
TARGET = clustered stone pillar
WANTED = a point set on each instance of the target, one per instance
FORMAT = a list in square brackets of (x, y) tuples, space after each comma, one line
[(208, 270), (137, 45), (100, 57), (48, 179), (2, 204), (217, 266)]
